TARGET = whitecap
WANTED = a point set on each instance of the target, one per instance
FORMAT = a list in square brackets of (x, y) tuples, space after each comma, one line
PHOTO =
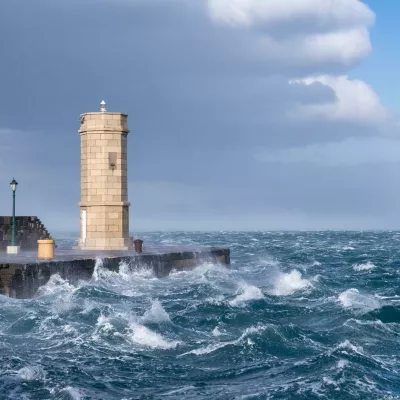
[(269, 262), (143, 336), (217, 300), (216, 332), (316, 264), (348, 248), (71, 393), (246, 293), (364, 267), (103, 326), (219, 345), (31, 373), (353, 299), (156, 314), (289, 283), (342, 364), (56, 285)]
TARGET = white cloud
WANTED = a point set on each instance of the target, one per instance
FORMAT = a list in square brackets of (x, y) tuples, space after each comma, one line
[(316, 34), (355, 101), (311, 31), (344, 46), (322, 12)]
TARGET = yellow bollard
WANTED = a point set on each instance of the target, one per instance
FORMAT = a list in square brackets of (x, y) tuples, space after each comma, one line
[(46, 248)]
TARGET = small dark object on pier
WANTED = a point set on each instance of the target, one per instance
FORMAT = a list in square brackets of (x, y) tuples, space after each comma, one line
[(138, 245)]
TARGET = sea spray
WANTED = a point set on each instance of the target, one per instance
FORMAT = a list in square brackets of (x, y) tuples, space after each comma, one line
[(143, 336), (364, 267), (353, 299), (246, 293), (156, 314), (289, 283)]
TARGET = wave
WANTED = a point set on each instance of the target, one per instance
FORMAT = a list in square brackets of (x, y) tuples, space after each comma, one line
[(35, 373), (56, 286), (247, 293), (364, 267), (350, 346), (386, 314), (353, 299), (219, 345), (289, 283), (156, 314), (69, 393), (145, 337)]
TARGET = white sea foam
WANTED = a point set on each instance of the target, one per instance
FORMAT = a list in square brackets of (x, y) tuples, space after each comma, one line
[(353, 299), (156, 314), (68, 329), (124, 274), (289, 283), (217, 300), (216, 332), (269, 262), (348, 248), (35, 373), (219, 345), (71, 393), (364, 267), (316, 264), (98, 272), (246, 293), (103, 327), (342, 364), (143, 336), (348, 345), (56, 285)]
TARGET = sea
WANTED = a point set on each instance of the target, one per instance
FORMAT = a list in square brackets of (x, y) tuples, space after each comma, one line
[(297, 315)]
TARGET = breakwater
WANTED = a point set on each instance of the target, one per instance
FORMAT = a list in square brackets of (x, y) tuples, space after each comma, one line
[(22, 275)]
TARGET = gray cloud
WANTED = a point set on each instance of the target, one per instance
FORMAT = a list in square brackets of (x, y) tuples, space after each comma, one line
[(203, 99)]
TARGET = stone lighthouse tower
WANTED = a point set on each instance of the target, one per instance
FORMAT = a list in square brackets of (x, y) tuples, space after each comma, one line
[(104, 203)]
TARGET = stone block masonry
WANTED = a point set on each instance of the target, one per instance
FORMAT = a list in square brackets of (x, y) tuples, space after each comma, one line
[(104, 205), (28, 231)]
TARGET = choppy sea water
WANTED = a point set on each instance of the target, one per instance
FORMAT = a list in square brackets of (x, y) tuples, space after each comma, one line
[(297, 316)]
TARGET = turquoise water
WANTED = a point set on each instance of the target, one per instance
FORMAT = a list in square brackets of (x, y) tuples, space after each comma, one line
[(297, 316)]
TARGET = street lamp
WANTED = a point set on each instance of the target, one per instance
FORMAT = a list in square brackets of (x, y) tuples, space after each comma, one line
[(13, 249), (13, 185)]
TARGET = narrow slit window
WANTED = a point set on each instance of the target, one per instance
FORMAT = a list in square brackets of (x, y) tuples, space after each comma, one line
[(112, 160)]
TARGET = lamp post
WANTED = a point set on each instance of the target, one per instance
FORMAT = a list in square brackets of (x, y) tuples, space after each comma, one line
[(13, 185), (13, 249)]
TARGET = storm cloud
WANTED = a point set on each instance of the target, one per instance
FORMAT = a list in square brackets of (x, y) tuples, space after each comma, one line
[(241, 112)]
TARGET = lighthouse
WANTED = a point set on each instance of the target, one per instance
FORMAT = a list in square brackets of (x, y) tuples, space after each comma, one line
[(104, 206)]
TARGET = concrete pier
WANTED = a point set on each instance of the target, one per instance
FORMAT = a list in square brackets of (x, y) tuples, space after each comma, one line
[(22, 275)]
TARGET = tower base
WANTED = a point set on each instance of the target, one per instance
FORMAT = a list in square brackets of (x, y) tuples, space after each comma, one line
[(114, 244)]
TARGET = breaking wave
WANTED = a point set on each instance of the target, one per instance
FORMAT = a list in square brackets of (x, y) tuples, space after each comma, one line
[(352, 298), (246, 293), (289, 283), (364, 267)]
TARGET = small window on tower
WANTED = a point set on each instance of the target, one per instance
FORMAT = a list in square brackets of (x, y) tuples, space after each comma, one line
[(112, 160)]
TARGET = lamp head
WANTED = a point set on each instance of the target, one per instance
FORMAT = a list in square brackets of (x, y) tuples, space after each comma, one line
[(14, 185)]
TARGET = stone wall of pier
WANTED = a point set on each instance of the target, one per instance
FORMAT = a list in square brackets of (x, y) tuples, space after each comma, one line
[(28, 231)]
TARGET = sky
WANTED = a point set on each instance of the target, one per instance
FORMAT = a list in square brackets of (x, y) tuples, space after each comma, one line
[(244, 114)]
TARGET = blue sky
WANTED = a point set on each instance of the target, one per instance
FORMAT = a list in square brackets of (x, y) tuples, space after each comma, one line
[(381, 68), (244, 114)]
